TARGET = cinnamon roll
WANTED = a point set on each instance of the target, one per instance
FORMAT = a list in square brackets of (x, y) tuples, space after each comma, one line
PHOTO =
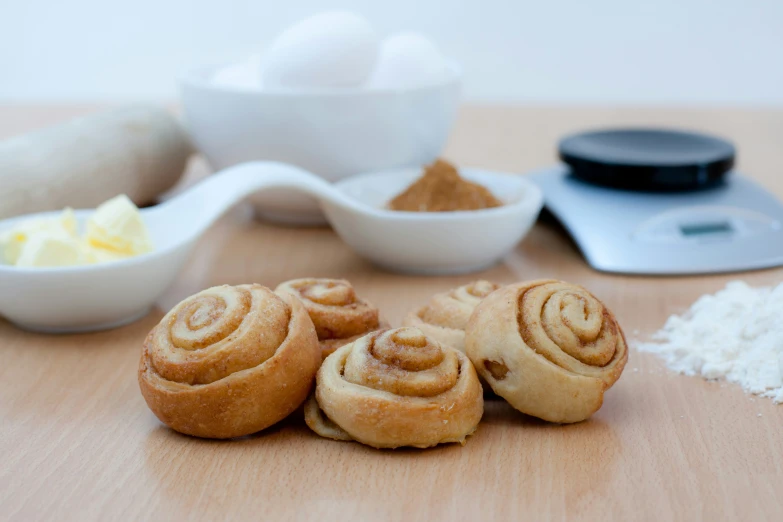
[(396, 388), (229, 361), (446, 315), (339, 315), (550, 348)]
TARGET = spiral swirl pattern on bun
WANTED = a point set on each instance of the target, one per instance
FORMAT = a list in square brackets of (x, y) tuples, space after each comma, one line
[(229, 361), (339, 315), (549, 348), (396, 388), (446, 315)]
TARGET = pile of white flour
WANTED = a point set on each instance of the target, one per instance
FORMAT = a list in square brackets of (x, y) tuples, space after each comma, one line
[(736, 334)]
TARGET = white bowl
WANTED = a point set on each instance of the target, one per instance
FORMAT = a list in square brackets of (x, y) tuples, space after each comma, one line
[(434, 243), (332, 133)]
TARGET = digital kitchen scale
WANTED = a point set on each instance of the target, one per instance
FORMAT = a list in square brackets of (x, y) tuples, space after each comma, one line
[(640, 201)]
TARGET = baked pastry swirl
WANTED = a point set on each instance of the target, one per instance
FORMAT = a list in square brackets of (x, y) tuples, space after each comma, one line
[(339, 315), (446, 315), (396, 388), (550, 348), (229, 361)]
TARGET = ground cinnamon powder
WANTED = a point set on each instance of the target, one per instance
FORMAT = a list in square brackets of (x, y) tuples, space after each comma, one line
[(441, 189)]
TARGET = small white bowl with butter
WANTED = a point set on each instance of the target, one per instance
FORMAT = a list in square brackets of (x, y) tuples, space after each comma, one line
[(78, 270)]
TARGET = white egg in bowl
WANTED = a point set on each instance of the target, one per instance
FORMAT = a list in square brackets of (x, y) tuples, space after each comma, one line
[(330, 49), (408, 60)]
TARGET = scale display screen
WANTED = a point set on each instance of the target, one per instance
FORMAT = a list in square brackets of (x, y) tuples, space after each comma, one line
[(703, 229)]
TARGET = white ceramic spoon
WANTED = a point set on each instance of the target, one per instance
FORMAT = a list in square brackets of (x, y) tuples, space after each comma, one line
[(101, 296)]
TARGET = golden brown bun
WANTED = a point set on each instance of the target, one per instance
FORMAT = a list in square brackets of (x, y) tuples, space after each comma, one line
[(229, 361), (396, 388), (446, 315), (340, 317), (549, 348)]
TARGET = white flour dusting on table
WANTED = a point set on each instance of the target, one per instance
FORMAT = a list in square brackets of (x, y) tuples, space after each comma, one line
[(736, 335)]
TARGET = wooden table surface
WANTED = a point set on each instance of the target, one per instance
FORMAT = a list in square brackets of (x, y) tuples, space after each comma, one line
[(78, 442)]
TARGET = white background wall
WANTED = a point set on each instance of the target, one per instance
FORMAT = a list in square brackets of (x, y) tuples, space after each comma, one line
[(598, 51)]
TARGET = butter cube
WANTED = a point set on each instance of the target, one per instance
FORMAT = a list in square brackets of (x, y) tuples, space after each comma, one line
[(94, 254), (117, 226), (50, 249), (13, 241)]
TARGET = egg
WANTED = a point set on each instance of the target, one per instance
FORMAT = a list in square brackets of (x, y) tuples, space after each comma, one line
[(408, 60), (332, 49), (242, 75)]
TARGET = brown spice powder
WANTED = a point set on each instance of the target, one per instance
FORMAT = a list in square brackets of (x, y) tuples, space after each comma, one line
[(441, 189)]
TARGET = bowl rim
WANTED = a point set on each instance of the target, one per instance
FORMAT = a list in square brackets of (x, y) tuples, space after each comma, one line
[(532, 199), (199, 77)]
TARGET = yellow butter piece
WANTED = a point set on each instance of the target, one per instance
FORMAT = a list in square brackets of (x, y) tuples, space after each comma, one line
[(115, 231), (93, 255), (117, 226), (50, 248), (11, 245), (68, 222), (13, 241)]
